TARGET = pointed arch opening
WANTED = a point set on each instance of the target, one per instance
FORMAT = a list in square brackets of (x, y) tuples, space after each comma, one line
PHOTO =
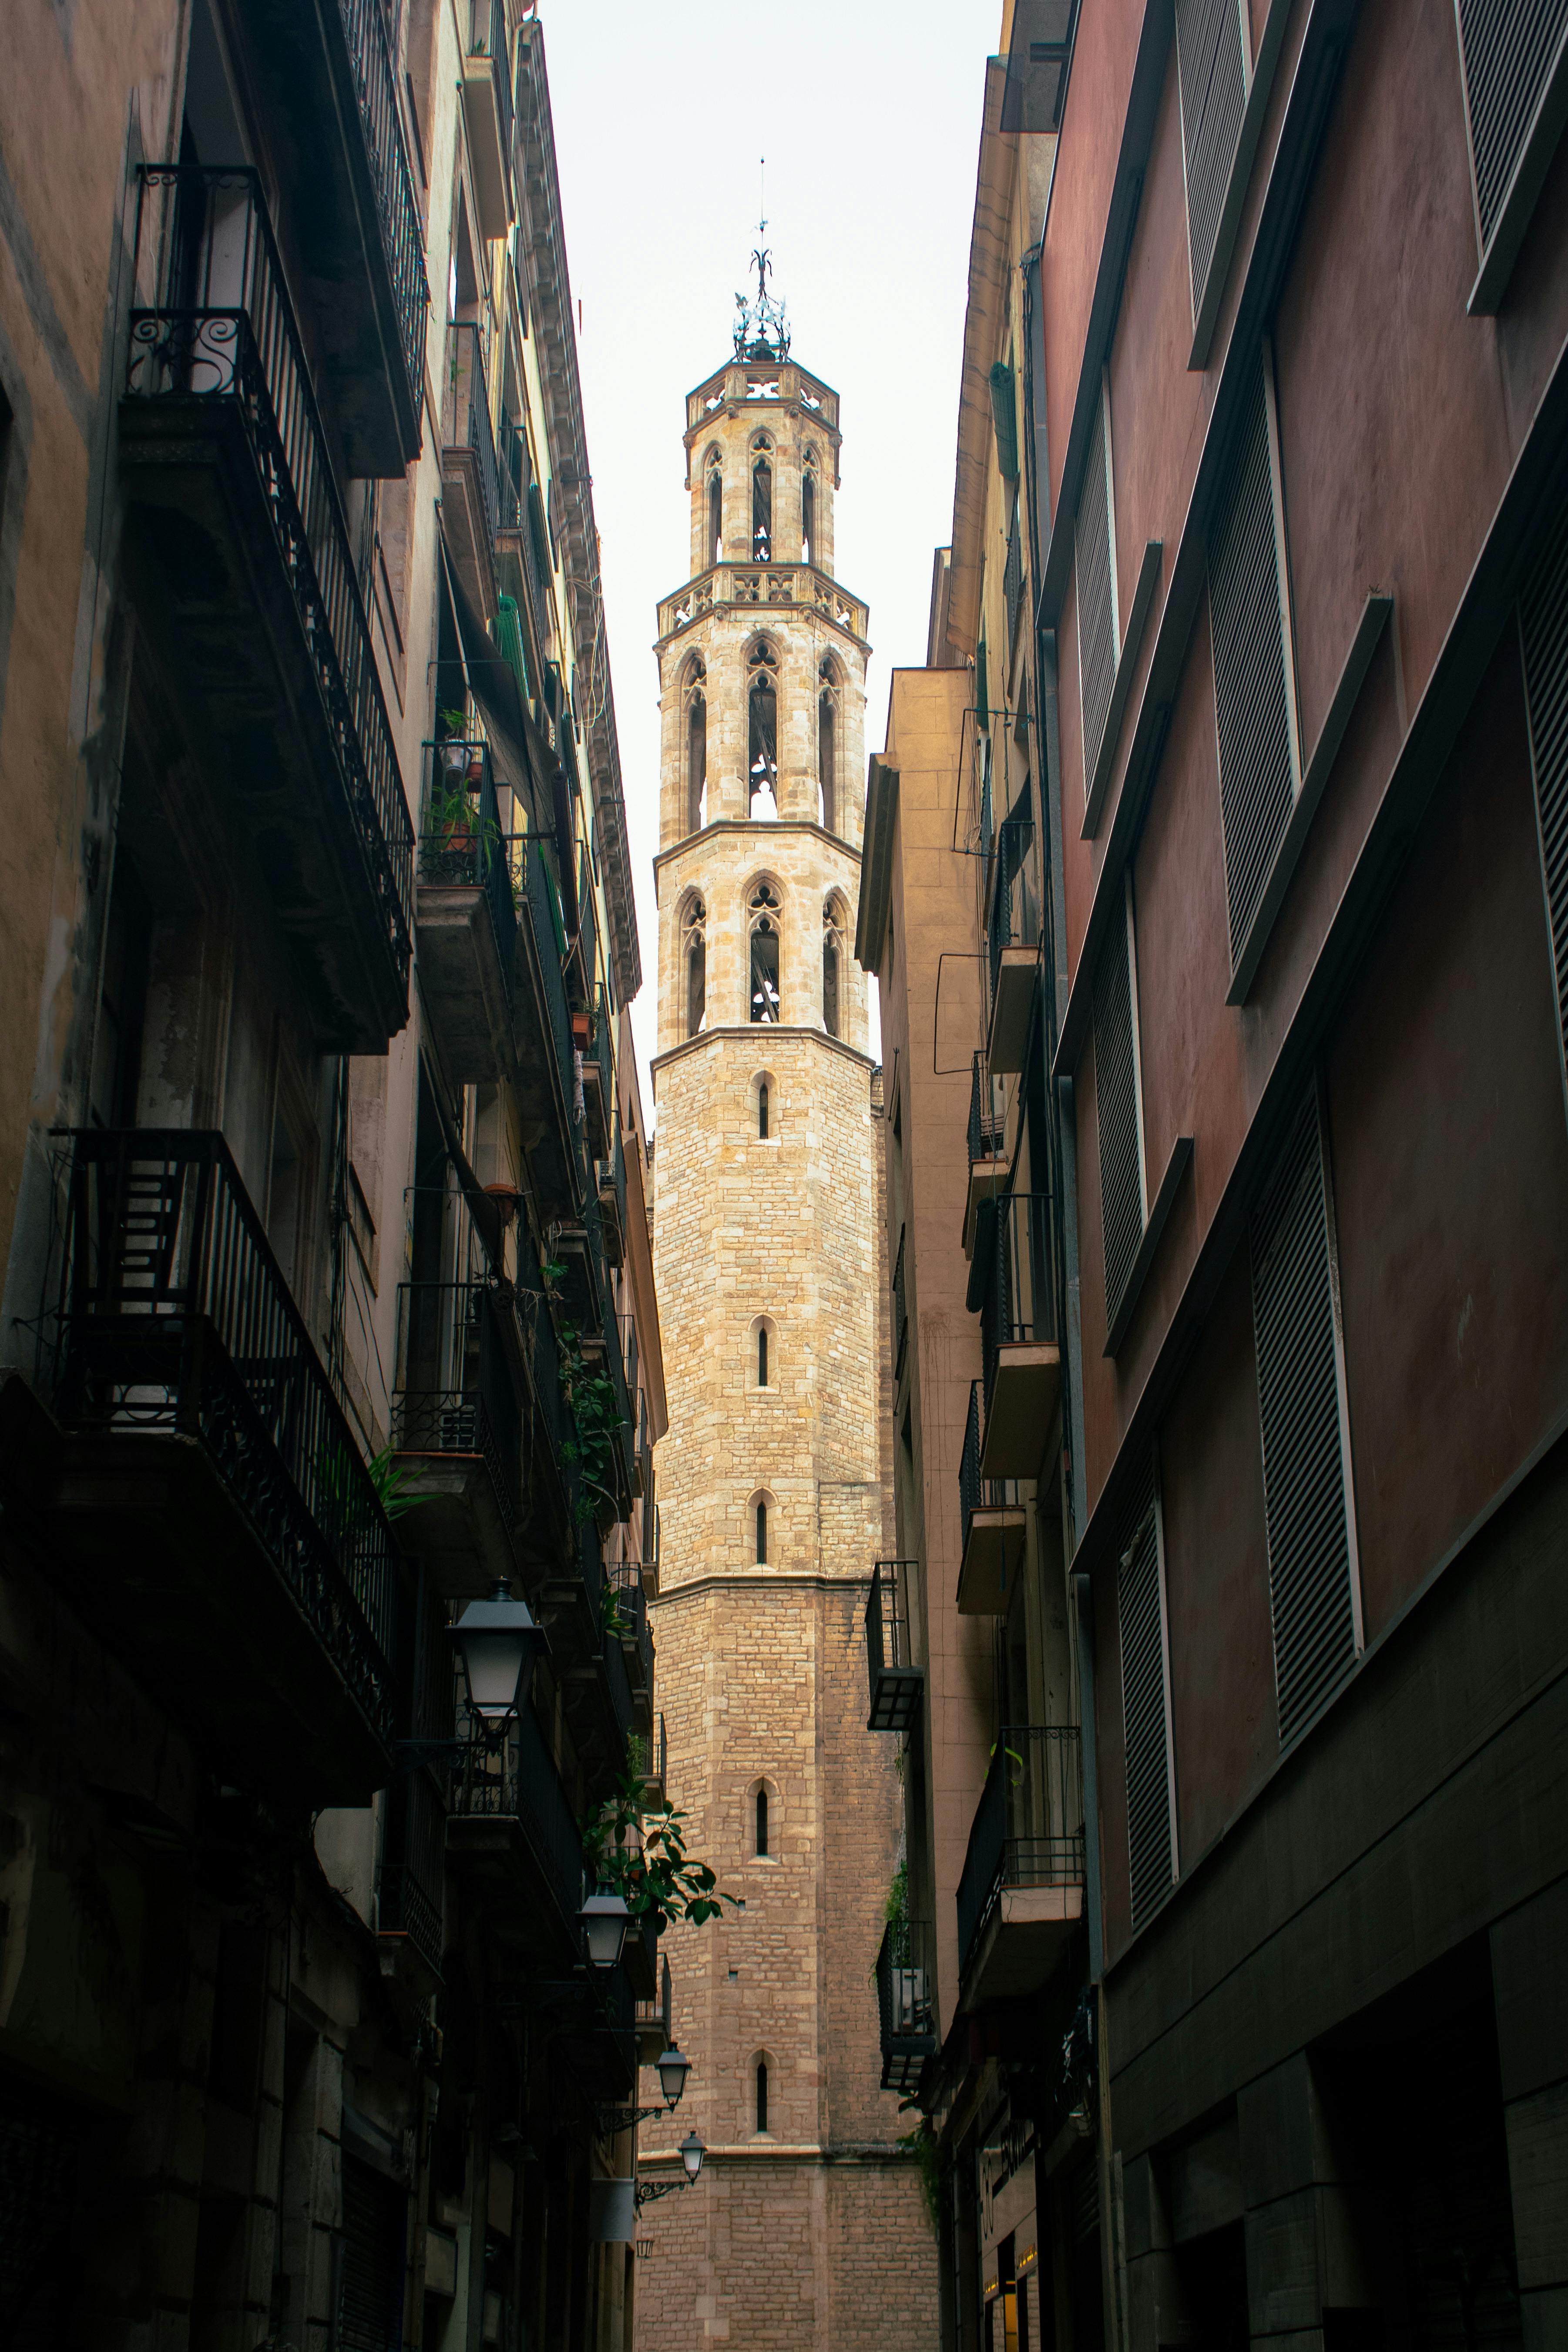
[(827, 704), (763, 1516), (834, 945), (809, 508), (760, 2079), (762, 500), (715, 488), (694, 963), (765, 1107), (764, 979), (763, 730), (763, 1353), (696, 696)]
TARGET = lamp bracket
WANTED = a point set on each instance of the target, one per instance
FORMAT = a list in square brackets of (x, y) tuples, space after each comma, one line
[(647, 2193)]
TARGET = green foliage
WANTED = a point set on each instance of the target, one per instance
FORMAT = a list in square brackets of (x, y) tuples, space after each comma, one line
[(661, 1880), (595, 1411), (611, 1616), (921, 2145), (341, 1494), (896, 1911)]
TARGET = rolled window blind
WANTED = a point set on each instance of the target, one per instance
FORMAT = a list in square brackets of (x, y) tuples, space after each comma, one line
[(1302, 1408), (1097, 646), (1508, 47), (1213, 96), (1543, 637), (1252, 688), (1145, 1705), (1116, 1098)]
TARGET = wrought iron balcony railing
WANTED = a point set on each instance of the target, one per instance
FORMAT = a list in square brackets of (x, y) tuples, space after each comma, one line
[(517, 1779), (364, 29), (177, 1321), (1012, 1279), (900, 1309), (1013, 911), (220, 331), (541, 916), (896, 1682), (977, 1493), (1028, 1829), (613, 1198), (461, 845), (906, 2001), (987, 1114), (466, 415), (455, 1391), (410, 1885), (487, 38), (636, 1636)]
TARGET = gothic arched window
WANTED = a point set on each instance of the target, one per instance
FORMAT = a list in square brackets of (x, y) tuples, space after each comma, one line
[(763, 2082), (762, 1822), (763, 730), (696, 743), (827, 744), (715, 508), (832, 967), (762, 500), (694, 963), (764, 931), (808, 509)]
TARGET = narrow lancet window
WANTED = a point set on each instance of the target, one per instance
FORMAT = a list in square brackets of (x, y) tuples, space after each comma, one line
[(827, 747), (832, 967), (762, 1356), (763, 507), (761, 1534), (764, 972), (715, 513), (761, 2087), (762, 1111), (763, 732), (808, 515), (694, 953), (761, 1827)]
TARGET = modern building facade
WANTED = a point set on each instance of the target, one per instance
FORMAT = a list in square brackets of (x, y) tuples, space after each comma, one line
[(772, 1475), (1292, 365), (328, 1294)]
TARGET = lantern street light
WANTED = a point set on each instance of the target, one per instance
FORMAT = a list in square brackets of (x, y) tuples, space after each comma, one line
[(674, 2066), (605, 1922), (691, 2154), (499, 1644)]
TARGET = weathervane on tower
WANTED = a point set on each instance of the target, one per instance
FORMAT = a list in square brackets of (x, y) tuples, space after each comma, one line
[(762, 329)]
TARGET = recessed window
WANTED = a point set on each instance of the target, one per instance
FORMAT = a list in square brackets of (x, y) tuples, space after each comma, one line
[(761, 1533), (762, 2094), (763, 1821), (694, 961), (764, 914), (766, 1105), (762, 1111), (761, 1355)]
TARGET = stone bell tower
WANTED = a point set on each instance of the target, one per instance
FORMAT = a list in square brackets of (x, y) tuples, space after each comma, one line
[(774, 1485)]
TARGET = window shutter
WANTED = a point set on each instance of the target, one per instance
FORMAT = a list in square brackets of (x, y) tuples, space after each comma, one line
[(1004, 417), (1121, 1192), (1301, 1407), (1146, 1706), (376, 2230), (1096, 645), (1507, 46), (1543, 634), (1213, 72), (1254, 712)]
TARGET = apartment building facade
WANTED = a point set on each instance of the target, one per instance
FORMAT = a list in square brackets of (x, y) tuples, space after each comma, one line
[(329, 1304), (1294, 412)]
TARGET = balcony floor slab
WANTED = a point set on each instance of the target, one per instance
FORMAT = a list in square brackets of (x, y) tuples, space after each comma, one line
[(1013, 1003), (1020, 1944), (992, 1560), (455, 1523), (462, 983), (1024, 1392)]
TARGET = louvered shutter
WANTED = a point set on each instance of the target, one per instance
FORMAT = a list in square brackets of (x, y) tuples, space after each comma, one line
[(375, 2232), (1121, 1195), (1544, 634), (1509, 47), (1253, 695), (1300, 1400), (1213, 72), (1097, 633), (1145, 1705)]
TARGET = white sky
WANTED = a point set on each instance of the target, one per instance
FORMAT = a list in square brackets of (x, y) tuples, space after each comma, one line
[(869, 113)]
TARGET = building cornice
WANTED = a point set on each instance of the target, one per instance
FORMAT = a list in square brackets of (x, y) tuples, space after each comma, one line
[(773, 828), (760, 1029), (791, 1579)]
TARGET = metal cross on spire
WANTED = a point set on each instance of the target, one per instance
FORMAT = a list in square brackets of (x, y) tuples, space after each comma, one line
[(761, 327)]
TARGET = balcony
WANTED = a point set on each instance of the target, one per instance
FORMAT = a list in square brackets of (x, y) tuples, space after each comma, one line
[(250, 585), (209, 1505), (409, 1890), (1012, 1282), (488, 114), (456, 1419), (577, 1605), (599, 1077), (325, 66), (1020, 1893), (1012, 944), (897, 1683), (990, 1166), (994, 1522), (636, 1638), (655, 2019), (906, 2002), (789, 587), (656, 1768), (513, 1837), (466, 922), (523, 542), (470, 478), (613, 1201), (542, 1038)]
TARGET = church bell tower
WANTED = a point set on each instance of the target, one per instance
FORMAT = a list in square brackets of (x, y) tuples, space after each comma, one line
[(774, 1478)]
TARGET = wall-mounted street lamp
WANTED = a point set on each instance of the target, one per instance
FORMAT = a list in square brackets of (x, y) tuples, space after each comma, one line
[(673, 2069), (498, 1646), (605, 1922), (691, 2154)]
